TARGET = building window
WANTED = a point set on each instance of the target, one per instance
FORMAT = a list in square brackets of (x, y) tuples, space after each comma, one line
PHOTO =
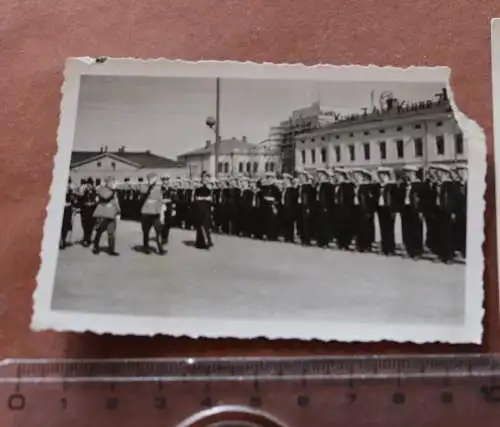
[(439, 124), (323, 155), (337, 136), (338, 154), (419, 147), (381, 131), (255, 167), (266, 167), (312, 140), (271, 166), (352, 153), (226, 167), (219, 167), (459, 143), (351, 135), (99, 164), (303, 154), (440, 145), (366, 132), (240, 167), (313, 156), (113, 165), (322, 138), (418, 126), (249, 167), (366, 150), (400, 148), (383, 150), (399, 128)]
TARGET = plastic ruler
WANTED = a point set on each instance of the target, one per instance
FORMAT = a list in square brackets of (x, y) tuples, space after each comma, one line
[(458, 390)]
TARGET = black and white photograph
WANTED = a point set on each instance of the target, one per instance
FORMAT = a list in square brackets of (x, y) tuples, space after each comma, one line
[(226, 199), (495, 64)]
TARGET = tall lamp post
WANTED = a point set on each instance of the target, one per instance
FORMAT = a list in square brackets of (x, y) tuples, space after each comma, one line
[(214, 124)]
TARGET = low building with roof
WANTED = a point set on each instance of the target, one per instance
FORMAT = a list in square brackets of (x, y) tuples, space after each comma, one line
[(400, 133), (122, 164), (236, 157)]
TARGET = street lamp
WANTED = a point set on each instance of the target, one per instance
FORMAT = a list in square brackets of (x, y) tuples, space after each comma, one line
[(214, 124)]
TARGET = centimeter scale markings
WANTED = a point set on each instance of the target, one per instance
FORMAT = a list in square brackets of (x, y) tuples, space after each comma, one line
[(459, 390)]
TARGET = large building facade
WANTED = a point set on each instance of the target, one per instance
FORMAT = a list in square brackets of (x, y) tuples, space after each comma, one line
[(400, 134), (236, 157), (132, 166)]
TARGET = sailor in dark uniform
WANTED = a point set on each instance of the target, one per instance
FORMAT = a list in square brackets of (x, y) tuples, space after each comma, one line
[(67, 222), (106, 213), (245, 208), (324, 206), (386, 206), (344, 208), (289, 207), (363, 209), (307, 202), (151, 211), (202, 208), (410, 193), (270, 199), (461, 209), (445, 212), (88, 204), (168, 195)]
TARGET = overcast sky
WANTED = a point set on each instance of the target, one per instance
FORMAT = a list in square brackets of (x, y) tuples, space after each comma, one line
[(167, 115)]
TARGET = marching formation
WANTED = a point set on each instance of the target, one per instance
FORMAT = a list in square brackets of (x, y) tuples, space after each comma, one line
[(334, 207)]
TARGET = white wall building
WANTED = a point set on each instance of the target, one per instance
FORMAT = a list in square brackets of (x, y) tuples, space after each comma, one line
[(121, 164), (419, 134), (236, 157)]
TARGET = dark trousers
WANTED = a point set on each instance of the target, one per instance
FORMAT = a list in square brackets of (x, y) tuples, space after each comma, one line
[(108, 225), (270, 217), (167, 225), (444, 239), (364, 229), (460, 233), (148, 222), (411, 224), (288, 223), (88, 223), (323, 227), (305, 225), (386, 224)]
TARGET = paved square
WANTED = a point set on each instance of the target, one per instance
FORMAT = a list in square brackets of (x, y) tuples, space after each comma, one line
[(244, 278)]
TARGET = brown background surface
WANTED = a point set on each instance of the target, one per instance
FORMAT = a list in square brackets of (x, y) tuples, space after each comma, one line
[(36, 37)]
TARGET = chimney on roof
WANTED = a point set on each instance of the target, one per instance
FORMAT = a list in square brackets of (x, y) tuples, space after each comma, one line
[(244, 138), (105, 148), (207, 143), (101, 149), (148, 151)]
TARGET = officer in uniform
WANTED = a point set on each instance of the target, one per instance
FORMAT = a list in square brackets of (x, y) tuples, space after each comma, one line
[(385, 196), (151, 213), (88, 204), (202, 207), (106, 212)]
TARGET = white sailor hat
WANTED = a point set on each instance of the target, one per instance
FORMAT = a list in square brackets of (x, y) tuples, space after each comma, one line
[(165, 176), (287, 176), (461, 166), (341, 171), (323, 171), (410, 168), (442, 168), (384, 169), (151, 175), (270, 175)]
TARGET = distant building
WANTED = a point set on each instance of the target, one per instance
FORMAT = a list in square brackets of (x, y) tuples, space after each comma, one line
[(236, 157), (121, 164), (418, 134)]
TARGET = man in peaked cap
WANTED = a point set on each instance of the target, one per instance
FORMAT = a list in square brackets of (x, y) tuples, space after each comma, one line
[(106, 213), (87, 204), (363, 210), (152, 207), (202, 205), (307, 204), (270, 199), (168, 195)]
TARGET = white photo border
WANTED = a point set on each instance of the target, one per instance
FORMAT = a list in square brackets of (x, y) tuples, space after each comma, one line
[(45, 318)]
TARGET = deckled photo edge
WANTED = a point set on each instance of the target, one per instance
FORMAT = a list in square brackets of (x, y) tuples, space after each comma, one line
[(63, 321), (495, 68)]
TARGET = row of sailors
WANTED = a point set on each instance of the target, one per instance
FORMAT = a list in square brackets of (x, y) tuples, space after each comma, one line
[(338, 206)]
